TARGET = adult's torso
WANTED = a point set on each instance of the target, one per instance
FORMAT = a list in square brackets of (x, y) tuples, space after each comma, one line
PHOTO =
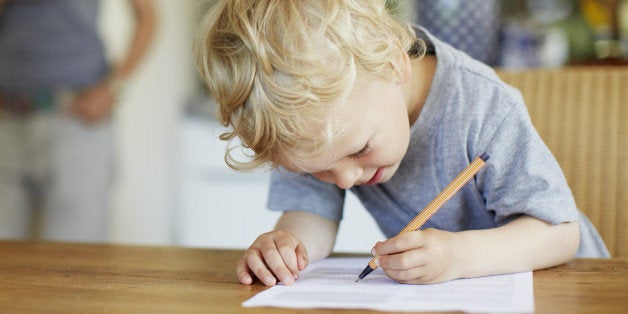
[(52, 44)]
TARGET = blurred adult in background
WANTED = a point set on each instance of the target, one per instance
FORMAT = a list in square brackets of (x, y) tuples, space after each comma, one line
[(57, 94)]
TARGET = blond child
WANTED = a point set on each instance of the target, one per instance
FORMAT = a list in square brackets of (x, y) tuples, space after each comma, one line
[(340, 95)]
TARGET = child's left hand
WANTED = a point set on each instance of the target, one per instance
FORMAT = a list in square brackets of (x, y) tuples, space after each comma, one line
[(419, 257)]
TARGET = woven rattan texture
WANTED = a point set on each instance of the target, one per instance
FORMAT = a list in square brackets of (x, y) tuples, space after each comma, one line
[(582, 115)]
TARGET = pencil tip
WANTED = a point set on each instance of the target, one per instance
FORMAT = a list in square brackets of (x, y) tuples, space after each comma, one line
[(367, 270), (357, 279)]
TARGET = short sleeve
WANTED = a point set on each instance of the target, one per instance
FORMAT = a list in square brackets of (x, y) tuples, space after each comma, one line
[(522, 176), (303, 192)]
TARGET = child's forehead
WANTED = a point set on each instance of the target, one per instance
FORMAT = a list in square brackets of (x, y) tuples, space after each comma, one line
[(331, 134), (349, 136), (319, 161)]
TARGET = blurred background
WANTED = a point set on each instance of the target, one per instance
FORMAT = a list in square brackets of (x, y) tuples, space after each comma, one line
[(171, 184), (530, 33)]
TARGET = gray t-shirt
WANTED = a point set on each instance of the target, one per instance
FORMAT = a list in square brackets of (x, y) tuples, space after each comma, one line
[(469, 111)]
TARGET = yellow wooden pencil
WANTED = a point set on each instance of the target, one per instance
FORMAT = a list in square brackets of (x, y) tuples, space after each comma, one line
[(447, 193)]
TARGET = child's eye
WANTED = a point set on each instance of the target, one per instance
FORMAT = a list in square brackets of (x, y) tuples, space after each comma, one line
[(365, 150)]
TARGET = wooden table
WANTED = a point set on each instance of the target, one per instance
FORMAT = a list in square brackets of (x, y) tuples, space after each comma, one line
[(66, 277)]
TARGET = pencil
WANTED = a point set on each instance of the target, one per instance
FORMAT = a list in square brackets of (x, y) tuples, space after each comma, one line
[(447, 193)]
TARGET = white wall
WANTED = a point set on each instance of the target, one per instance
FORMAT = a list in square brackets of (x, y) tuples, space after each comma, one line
[(147, 118)]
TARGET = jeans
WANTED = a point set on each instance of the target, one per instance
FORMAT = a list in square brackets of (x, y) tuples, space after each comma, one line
[(55, 174)]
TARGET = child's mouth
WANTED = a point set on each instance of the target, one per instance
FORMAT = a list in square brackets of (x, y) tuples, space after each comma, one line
[(376, 177)]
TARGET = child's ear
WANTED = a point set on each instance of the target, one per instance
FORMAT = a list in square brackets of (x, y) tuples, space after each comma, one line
[(401, 66)]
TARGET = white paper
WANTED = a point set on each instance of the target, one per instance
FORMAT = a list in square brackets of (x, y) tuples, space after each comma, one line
[(330, 283)]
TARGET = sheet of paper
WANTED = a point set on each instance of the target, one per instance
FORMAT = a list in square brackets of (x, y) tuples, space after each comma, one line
[(330, 283)]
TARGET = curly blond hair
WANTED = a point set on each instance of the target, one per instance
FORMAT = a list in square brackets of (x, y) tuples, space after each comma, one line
[(279, 69)]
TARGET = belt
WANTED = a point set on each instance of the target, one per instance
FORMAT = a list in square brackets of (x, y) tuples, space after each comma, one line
[(27, 102)]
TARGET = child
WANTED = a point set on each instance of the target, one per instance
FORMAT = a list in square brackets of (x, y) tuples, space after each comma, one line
[(338, 95)]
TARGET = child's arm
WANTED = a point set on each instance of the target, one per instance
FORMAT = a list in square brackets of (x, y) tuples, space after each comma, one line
[(280, 254), (431, 255)]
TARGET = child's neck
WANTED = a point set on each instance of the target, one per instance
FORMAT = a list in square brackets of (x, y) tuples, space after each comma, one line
[(417, 87)]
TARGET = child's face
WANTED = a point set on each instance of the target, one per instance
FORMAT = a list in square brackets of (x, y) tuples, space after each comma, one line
[(376, 139)]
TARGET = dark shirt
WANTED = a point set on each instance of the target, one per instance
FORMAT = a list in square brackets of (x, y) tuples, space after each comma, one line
[(48, 45)]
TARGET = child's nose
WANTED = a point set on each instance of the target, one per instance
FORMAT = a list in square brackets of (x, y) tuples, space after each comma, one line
[(346, 174)]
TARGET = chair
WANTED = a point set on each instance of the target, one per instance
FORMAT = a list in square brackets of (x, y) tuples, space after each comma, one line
[(582, 115)]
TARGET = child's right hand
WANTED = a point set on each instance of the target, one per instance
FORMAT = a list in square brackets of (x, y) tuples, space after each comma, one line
[(275, 255)]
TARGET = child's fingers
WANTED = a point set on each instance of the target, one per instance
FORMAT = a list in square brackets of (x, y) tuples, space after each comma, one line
[(400, 243), (276, 263), (404, 261), (256, 264), (302, 258), (416, 275), (407, 267), (423, 274), (243, 272), (287, 252)]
